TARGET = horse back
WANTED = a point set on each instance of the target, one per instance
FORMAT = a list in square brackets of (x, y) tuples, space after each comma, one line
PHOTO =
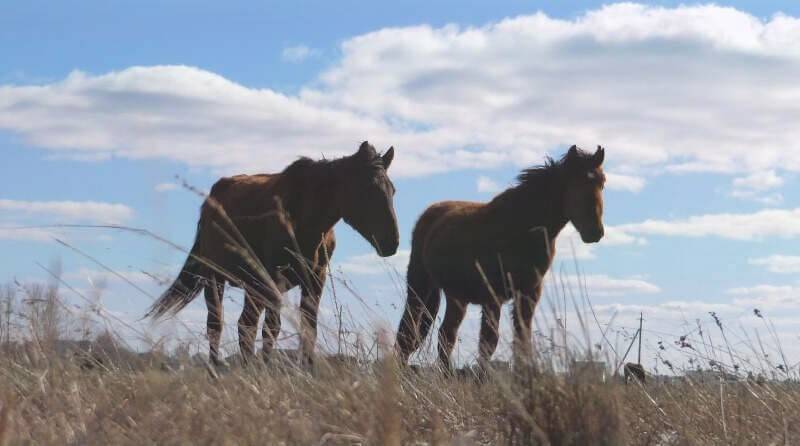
[(246, 194), (438, 214)]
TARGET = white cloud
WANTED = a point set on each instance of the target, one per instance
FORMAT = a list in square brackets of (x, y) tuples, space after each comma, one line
[(759, 181), (627, 183), (614, 236), (767, 296), (755, 185), (165, 187), (527, 84), (657, 86), (298, 53), (371, 264), (673, 308), (102, 278), (26, 234), (24, 220), (70, 211), (603, 285), (570, 246), (784, 223), (770, 199), (184, 114), (488, 186), (778, 263)]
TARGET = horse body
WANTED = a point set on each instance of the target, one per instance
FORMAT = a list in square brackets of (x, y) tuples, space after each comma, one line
[(489, 253), (268, 212), (269, 233), (451, 255), (635, 371), (255, 205)]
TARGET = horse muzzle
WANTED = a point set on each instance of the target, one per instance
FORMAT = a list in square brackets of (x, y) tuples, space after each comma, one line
[(387, 248), (593, 236)]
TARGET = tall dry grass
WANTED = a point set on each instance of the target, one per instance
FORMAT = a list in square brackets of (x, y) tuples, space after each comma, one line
[(102, 393), (93, 389)]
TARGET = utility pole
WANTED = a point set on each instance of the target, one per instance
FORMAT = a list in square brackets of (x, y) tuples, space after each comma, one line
[(641, 317), (630, 346)]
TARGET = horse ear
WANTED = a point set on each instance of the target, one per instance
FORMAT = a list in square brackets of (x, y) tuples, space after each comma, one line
[(599, 156), (366, 150), (572, 152), (388, 157)]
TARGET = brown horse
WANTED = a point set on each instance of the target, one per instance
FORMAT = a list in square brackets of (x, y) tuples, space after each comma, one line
[(635, 371), (271, 232), (487, 253)]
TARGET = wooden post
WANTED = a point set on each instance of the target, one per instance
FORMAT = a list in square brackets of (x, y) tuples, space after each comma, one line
[(641, 317)]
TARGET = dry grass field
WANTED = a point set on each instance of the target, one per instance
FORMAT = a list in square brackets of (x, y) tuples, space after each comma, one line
[(97, 392)]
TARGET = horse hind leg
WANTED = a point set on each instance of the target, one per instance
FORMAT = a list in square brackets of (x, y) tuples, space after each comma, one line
[(422, 304), (214, 290)]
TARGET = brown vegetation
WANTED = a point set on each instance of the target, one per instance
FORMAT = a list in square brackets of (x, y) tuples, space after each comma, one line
[(49, 396)]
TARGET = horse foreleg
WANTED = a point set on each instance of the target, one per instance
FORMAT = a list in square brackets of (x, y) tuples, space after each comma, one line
[(213, 293), (453, 316)]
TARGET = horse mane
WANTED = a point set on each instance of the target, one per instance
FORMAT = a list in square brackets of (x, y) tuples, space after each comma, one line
[(543, 177), (304, 165), (551, 166)]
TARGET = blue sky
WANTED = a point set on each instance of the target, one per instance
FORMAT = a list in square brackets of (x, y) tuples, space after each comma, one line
[(102, 105)]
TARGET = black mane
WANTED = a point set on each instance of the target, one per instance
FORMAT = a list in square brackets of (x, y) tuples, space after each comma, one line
[(543, 179), (305, 165), (536, 174), (300, 164)]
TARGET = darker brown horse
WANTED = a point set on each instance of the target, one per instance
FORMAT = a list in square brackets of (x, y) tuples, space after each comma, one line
[(635, 371), (269, 233), (487, 253)]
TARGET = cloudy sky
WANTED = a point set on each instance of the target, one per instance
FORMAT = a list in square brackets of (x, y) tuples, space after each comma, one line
[(106, 109)]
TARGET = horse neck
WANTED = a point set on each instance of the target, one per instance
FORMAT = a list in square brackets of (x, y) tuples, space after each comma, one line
[(312, 201), (527, 206)]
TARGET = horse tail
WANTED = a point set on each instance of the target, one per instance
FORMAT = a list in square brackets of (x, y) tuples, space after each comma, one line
[(420, 285), (185, 287), (423, 294)]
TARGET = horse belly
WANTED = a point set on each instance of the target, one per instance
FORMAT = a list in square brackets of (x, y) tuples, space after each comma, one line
[(462, 279), (485, 279)]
